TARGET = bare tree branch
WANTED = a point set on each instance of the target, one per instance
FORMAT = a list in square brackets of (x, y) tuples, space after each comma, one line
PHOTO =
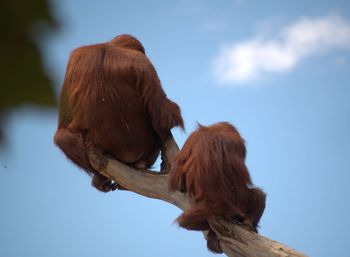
[(235, 239)]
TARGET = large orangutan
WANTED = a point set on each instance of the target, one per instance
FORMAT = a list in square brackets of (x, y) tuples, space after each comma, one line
[(112, 99), (210, 168)]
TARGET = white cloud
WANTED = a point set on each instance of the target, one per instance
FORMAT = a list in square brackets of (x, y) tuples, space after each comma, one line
[(244, 61)]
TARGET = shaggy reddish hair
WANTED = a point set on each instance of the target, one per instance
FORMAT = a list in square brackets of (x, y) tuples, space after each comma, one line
[(113, 100), (210, 168)]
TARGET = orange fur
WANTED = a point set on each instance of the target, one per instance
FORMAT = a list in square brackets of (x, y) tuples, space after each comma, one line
[(210, 168), (112, 99)]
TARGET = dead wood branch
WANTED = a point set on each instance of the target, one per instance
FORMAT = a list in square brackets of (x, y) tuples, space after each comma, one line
[(235, 240)]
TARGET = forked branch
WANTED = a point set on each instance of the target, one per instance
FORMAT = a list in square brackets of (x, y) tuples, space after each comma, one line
[(235, 240)]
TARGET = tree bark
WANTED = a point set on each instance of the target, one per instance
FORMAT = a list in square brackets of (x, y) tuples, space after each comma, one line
[(235, 239)]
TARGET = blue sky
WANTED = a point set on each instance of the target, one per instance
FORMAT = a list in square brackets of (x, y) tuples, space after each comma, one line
[(277, 70)]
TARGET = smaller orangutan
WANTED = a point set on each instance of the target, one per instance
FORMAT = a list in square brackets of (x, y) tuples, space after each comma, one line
[(210, 168)]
